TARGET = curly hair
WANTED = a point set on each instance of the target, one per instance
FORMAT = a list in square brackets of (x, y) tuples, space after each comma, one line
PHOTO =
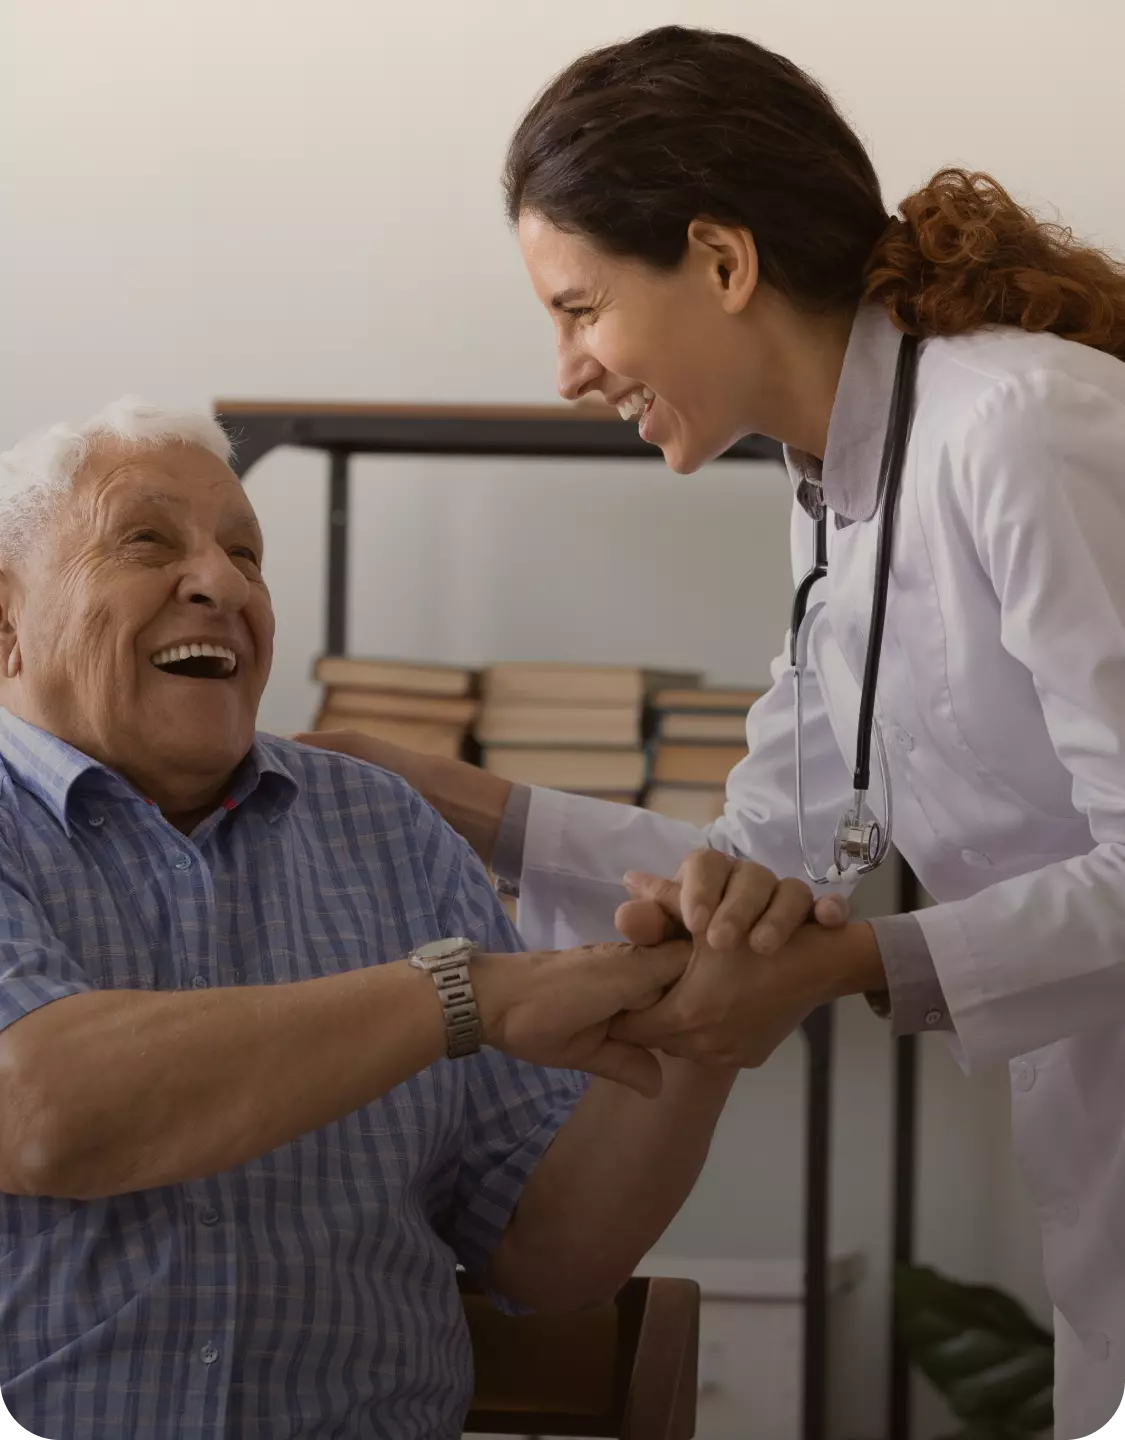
[(965, 254), (634, 141)]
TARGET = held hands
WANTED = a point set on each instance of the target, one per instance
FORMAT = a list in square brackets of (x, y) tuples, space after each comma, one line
[(556, 1008), (754, 973), (729, 902)]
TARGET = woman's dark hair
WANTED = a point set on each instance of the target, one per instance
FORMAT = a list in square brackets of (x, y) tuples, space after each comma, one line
[(632, 142)]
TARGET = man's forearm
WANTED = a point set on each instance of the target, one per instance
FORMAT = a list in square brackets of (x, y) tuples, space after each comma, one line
[(121, 1090), (603, 1194)]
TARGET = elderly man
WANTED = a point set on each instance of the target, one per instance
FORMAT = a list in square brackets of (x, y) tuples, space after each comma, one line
[(238, 1161)]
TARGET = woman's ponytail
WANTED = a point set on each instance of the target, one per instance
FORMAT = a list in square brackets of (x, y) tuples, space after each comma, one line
[(965, 254)]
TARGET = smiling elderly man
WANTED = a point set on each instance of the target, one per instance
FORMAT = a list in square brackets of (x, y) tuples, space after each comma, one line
[(238, 1162)]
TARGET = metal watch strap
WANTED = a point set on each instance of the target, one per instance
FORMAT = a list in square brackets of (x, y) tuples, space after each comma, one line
[(462, 1019)]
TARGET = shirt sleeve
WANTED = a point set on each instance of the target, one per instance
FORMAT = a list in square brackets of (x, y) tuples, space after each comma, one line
[(1035, 479), (913, 1000), (511, 836), (512, 1110), (35, 966)]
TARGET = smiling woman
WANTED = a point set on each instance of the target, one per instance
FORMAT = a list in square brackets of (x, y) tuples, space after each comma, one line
[(708, 236), (134, 620)]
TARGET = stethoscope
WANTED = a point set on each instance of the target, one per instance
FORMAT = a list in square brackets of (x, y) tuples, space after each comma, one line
[(861, 842)]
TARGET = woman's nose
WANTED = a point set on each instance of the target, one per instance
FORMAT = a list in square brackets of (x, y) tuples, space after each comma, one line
[(578, 374)]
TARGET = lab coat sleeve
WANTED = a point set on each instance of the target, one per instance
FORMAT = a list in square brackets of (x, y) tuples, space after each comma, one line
[(1039, 482), (577, 849)]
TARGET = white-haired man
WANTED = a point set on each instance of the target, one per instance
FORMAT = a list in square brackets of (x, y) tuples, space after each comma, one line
[(237, 1161)]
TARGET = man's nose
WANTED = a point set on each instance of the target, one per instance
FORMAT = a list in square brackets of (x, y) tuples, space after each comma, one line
[(211, 578), (578, 373)]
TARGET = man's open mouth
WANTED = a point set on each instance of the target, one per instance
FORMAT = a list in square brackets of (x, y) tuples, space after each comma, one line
[(198, 660)]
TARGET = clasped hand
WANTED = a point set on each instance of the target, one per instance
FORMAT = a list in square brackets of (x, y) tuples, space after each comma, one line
[(718, 971), (748, 982)]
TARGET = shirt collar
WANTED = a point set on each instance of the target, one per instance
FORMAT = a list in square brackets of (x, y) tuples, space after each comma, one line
[(848, 479), (51, 770)]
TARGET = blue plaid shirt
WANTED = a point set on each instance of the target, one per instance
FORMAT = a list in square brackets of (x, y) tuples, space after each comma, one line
[(311, 1292)]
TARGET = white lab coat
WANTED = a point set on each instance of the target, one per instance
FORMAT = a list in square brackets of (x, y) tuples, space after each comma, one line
[(1002, 700)]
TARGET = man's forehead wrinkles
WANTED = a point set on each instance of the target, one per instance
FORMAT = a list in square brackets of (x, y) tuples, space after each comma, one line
[(112, 490)]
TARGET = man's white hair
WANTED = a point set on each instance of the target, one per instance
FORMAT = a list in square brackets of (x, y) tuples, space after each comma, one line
[(37, 473)]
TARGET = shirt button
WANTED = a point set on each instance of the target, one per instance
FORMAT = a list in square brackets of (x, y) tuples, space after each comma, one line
[(182, 862), (199, 982), (902, 739), (976, 859), (1067, 1213), (934, 1017), (209, 1215), (1023, 1075), (96, 820), (209, 1354)]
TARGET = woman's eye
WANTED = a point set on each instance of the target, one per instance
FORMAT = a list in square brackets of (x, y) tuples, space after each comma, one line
[(145, 537)]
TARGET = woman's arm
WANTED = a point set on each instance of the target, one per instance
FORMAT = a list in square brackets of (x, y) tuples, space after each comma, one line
[(468, 798), (1036, 480)]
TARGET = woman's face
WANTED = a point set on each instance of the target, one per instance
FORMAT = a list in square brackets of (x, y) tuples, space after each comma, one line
[(668, 348)]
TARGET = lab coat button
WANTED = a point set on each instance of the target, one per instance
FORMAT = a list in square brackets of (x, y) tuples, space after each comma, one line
[(901, 739), (1098, 1347), (1023, 1075), (976, 859), (934, 1017), (1067, 1213)]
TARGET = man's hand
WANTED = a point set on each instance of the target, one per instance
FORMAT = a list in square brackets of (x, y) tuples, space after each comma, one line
[(555, 1008), (734, 1007), (731, 902)]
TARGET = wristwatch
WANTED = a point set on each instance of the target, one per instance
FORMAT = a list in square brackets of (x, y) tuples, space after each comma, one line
[(448, 962)]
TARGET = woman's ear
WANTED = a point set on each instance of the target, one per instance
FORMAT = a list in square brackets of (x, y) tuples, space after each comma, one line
[(729, 259), (10, 659)]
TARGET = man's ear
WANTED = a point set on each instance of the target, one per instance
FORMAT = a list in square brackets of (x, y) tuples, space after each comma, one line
[(730, 259), (10, 660)]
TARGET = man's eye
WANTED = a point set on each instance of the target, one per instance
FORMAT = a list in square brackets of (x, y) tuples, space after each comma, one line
[(243, 552), (145, 537)]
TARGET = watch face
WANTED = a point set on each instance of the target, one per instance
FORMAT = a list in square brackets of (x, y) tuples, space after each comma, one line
[(443, 949)]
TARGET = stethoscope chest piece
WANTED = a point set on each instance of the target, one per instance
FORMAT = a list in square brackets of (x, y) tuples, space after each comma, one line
[(858, 843)]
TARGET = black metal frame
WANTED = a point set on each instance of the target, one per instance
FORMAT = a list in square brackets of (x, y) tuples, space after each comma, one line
[(558, 433)]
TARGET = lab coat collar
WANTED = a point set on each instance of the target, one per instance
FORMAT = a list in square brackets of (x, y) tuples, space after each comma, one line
[(849, 475)]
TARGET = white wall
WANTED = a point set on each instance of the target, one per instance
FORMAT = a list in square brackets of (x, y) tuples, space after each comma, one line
[(270, 198)]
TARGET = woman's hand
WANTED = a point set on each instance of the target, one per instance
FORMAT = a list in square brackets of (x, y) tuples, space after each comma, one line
[(733, 1008), (363, 747), (726, 901), (470, 799)]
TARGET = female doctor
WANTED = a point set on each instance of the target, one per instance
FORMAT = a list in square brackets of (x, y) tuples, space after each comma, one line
[(709, 239)]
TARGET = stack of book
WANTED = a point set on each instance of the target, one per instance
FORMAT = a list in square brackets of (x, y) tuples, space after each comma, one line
[(700, 737), (570, 727), (430, 708)]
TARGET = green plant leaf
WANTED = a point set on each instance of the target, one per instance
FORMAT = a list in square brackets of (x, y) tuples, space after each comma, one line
[(990, 1359)]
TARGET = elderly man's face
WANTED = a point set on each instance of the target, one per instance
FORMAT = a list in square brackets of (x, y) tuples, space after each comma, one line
[(144, 627)]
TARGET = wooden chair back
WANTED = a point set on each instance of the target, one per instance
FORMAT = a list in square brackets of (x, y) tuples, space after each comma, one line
[(625, 1370)]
